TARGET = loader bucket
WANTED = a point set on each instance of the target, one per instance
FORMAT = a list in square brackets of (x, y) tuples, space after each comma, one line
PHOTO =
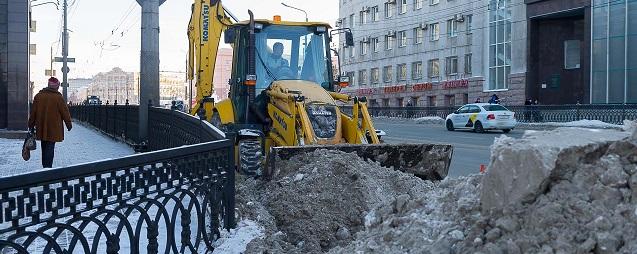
[(427, 161)]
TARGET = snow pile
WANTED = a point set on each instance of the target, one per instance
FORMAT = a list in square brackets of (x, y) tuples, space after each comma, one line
[(581, 123), (321, 201), (429, 120), (80, 145), (236, 241), (570, 192)]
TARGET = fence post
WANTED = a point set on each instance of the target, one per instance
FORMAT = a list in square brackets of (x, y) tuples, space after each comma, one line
[(623, 113), (578, 111), (230, 185), (126, 120)]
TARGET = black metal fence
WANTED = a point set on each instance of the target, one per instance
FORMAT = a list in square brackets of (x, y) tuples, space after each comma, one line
[(609, 113), (167, 128), (171, 201)]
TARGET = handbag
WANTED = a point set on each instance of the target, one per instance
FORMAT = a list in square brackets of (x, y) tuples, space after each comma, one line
[(29, 141)]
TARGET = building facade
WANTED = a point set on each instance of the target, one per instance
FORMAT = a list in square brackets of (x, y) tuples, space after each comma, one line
[(435, 52), (223, 72), (14, 64), (115, 85)]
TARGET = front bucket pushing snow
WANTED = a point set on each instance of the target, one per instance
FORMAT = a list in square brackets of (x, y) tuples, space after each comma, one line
[(427, 161)]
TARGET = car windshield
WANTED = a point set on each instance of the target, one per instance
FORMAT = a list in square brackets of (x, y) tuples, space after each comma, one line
[(291, 53), (494, 108)]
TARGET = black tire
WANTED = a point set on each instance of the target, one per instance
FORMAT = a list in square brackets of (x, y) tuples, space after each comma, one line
[(506, 130), (450, 125), (477, 127), (250, 157)]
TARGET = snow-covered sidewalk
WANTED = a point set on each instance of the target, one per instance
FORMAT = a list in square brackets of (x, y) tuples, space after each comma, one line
[(81, 145)]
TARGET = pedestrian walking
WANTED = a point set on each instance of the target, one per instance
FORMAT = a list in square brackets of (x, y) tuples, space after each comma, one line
[(494, 99), (48, 116), (478, 100)]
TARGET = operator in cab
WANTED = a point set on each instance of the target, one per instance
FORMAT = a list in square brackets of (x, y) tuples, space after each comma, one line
[(279, 65)]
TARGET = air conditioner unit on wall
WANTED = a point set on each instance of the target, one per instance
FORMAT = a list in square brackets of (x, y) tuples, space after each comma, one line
[(423, 26), (391, 1), (391, 33), (459, 18)]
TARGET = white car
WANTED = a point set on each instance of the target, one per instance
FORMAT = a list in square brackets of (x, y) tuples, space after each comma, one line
[(481, 117)]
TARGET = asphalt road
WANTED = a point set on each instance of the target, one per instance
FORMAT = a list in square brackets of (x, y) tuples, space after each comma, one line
[(469, 149)]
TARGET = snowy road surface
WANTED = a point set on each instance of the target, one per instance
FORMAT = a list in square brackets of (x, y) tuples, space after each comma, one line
[(81, 145)]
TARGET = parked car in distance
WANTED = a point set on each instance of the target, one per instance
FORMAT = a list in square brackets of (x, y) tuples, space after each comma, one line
[(481, 117)]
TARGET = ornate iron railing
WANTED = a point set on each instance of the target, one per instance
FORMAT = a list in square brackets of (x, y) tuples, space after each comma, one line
[(173, 201), (167, 128), (609, 113)]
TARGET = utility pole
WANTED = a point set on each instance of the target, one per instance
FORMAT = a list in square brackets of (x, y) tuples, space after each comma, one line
[(149, 62), (65, 53)]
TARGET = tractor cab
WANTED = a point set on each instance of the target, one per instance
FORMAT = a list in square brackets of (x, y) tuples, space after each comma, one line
[(282, 51)]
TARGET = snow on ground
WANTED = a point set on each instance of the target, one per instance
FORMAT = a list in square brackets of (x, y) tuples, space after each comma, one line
[(581, 123), (236, 241), (80, 145), (429, 120)]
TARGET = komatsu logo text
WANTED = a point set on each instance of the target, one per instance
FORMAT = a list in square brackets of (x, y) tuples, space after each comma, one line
[(206, 22)]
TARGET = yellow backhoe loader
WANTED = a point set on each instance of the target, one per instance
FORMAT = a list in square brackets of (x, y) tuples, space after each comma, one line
[(283, 95)]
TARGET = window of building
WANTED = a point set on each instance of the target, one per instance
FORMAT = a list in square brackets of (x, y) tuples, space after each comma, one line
[(389, 10), (403, 38), (468, 20), (344, 22), (375, 75), (416, 70), (375, 44), (431, 101), (389, 42), (352, 51), (499, 45), (375, 13), (418, 4), (452, 28), (387, 74), (434, 31), (572, 54), (363, 48), (434, 68), (434, 2), (467, 64), (362, 77), (403, 6), (351, 21), (450, 100), (364, 17), (418, 35), (352, 77), (402, 72), (451, 66)]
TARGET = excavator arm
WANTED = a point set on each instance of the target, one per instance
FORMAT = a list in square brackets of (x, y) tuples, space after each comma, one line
[(207, 21)]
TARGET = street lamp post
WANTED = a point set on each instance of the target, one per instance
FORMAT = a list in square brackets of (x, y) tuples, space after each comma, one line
[(298, 9)]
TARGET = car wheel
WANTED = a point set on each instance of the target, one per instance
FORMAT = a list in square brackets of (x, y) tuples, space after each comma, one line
[(449, 125), (506, 130), (477, 127)]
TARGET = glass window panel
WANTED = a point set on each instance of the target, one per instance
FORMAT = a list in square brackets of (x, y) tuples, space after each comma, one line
[(632, 17), (493, 9), (507, 72), (507, 32), (599, 55), (500, 78), (617, 50), (616, 86), (632, 53), (492, 78), (508, 54), (632, 87), (599, 87), (600, 22), (500, 57), (492, 55), (500, 33), (618, 18), (572, 51), (492, 33)]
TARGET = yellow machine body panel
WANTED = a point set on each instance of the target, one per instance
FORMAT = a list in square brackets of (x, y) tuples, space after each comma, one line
[(225, 110)]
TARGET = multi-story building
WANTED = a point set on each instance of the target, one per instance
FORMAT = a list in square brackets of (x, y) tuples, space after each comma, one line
[(172, 86), (223, 71), (78, 89), (115, 85), (14, 64), (435, 52)]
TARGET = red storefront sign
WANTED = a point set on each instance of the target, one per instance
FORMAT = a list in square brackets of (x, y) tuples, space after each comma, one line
[(395, 89), (461, 83), (422, 87)]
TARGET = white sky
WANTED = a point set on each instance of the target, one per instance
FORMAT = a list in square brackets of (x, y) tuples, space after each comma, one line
[(91, 23)]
